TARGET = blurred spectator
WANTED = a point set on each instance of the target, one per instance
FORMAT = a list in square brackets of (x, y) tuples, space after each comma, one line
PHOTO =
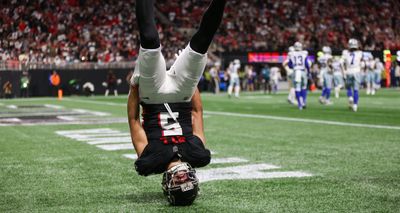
[(251, 76), (271, 25), (55, 82), (111, 83), (7, 90), (62, 32), (265, 72)]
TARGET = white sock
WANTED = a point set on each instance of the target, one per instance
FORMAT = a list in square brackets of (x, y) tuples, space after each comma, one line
[(237, 89)]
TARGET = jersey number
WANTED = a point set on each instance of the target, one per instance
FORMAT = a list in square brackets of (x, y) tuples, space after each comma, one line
[(352, 58), (298, 61), (169, 129)]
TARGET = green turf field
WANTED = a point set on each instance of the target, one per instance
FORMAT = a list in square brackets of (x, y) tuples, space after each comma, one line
[(73, 156)]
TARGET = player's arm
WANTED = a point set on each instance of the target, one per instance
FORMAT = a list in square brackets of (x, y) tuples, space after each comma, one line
[(343, 66), (197, 116), (330, 62), (138, 136), (308, 65)]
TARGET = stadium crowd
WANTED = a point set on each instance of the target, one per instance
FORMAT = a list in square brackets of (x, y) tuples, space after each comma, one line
[(58, 32), (272, 25)]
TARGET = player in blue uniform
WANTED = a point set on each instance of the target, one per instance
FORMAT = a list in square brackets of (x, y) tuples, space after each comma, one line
[(325, 63), (171, 138), (353, 60), (300, 64)]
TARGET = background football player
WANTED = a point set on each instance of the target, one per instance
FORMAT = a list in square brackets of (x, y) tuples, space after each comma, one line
[(171, 138), (275, 77), (338, 72), (234, 81), (353, 60), (325, 63), (378, 73), (298, 61), (370, 73), (290, 77)]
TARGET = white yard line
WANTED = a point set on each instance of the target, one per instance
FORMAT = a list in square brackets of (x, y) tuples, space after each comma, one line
[(303, 120)]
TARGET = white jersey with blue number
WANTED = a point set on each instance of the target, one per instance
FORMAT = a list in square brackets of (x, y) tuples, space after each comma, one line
[(323, 60), (298, 60), (353, 61), (337, 67)]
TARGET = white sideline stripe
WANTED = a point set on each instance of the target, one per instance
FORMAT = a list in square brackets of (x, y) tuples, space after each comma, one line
[(227, 160), (115, 147), (12, 106), (301, 120)]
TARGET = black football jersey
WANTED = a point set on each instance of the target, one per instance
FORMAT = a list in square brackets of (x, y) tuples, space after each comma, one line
[(158, 122)]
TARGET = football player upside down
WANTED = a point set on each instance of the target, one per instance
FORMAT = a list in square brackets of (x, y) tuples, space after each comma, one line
[(170, 140)]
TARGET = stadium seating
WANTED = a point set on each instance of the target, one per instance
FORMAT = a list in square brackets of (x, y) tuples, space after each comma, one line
[(55, 32)]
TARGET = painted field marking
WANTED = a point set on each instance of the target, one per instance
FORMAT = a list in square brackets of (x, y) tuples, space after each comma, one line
[(10, 119), (228, 160), (71, 133), (304, 120), (84, 111), (115, 147), (98, 135), (112, 140), (250, 171), (95, 102), (104, 138), (54, 106), (109, 140), (130, 156), (67, 118)]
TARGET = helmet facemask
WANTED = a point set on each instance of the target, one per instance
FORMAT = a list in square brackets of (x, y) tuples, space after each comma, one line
[(180, 185)]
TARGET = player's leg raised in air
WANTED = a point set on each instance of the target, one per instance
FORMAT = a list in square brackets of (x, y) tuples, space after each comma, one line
[(190, 64)]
